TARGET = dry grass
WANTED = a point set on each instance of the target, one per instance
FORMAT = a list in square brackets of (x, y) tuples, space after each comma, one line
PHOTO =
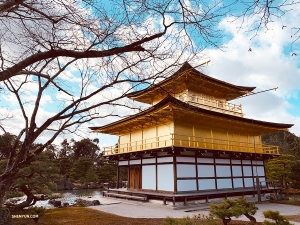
[(293, 218), (289, 202), (84, 216), (87, 216)]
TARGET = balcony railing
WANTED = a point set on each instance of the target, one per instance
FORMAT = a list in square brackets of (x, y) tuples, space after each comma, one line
[(212, 104), (191, 142)]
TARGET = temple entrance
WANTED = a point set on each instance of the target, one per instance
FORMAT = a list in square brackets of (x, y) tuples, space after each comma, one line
[(135, 177)]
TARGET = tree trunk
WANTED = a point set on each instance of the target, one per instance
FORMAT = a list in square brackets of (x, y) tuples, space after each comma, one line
[(250, 217), (4, 187), (30, 200), (5, 217), (226, 221)]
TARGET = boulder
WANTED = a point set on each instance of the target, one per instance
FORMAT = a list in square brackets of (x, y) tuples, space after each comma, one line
[(94, 185), (76, 187), (85, 186), (57, 203), (51, 201), (96, 202)]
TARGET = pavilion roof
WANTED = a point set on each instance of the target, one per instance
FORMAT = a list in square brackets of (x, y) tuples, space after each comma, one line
[(187, 76), (170, 108)]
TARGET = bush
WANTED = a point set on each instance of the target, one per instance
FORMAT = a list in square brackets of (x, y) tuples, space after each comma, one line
[(274, 215), (196, 220), (80, 202), (236, 207), (14, 194)]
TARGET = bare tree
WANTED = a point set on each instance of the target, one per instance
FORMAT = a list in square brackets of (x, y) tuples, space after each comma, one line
[(80, 59), (265, 12)]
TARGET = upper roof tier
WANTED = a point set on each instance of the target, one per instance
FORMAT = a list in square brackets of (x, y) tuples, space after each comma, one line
[(188, 78)]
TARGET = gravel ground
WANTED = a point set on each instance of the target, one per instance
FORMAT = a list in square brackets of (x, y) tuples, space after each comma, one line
[(155, 209)]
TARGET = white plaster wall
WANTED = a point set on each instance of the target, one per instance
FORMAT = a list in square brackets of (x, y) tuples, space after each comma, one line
[(248, 182), (165, 159), (149, 177), (185, 159), (185, 170), (186, 185), (247, 170), (223, 171), (206, 184), (236, 161), (205, 160), (224, 183), (123, 163), (237, 171), (224, 161), (206, 171), (258, 170), (165, 177), (238, 182), (152, 160), (134, 162)]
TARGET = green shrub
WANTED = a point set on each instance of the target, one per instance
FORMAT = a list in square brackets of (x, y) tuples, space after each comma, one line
[(80, 202), (14, 194), (233, 208), (196, 220), (274, 215), (40, 211)]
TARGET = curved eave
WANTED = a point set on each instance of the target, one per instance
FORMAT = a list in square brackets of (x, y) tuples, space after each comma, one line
[(170, 101), (187, 67)]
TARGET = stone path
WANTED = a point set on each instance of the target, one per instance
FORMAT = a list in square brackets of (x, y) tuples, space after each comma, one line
[(155, 209)]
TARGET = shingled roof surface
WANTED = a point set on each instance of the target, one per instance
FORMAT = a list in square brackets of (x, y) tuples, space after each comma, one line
[(183, 105)]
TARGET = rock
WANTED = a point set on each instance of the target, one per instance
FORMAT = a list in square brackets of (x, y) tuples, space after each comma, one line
[(96, 202), (85, 186), (65, 204), (82, 202), (57, 203), (51, 201), (76, 187), (94, 185)]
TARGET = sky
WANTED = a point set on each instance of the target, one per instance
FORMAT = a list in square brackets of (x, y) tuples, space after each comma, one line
[(264, 61), (267, 60)]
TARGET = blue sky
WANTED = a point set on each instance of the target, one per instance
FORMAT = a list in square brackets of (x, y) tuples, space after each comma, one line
[(269, 64)]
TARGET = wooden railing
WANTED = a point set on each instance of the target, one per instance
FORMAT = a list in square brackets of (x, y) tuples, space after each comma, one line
[(191, 142), (212, 104)]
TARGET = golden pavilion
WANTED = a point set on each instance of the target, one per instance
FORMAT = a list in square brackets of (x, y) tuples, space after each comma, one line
[(192, 141)]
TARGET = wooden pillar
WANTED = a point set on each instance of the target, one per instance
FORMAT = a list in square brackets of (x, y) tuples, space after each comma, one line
[(164, 201), (128, 182), (156, 173), (258, 189), (212, 138), (175, 171), (118, 176)]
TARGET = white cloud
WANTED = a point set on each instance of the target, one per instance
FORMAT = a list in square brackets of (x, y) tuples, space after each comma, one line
[(267, 65)]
